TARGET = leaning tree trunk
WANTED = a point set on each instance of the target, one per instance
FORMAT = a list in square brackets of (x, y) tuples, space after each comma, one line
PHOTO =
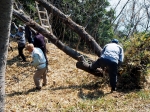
[(72, 25), (69, 51), (5, 19)]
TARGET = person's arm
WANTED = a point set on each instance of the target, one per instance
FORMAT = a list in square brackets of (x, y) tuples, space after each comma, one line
[(12, 36), (104, 49), (15, 26), (35, 61), (16, 29), (121, 56)]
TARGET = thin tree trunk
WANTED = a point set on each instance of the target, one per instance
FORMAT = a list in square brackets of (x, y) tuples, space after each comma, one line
[(120, 12), (148, 16), (80, 30), (5, 18), (69, 51)]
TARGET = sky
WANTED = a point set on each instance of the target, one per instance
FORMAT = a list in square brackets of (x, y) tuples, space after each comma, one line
[(113, 3)]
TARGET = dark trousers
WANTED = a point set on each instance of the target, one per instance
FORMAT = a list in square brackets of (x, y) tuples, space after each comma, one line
[(112, 69), (20, 51)]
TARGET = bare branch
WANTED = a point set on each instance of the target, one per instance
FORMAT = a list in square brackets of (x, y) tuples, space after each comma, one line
[(120, 12)]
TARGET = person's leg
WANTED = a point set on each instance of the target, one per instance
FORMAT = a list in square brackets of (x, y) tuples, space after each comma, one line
[(44, 77), (101, 62), (37, 76), (113, 75), (95, 64), (23, 56), (21, 52)]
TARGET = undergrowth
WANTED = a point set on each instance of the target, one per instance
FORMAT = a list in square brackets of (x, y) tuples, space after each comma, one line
[(134, 71)]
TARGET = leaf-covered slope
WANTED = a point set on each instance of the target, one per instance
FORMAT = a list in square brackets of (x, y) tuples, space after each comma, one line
[(68, 88)]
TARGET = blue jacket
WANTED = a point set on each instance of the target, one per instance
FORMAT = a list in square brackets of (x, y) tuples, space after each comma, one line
[(113, 52), (39, 60), (20, 36)]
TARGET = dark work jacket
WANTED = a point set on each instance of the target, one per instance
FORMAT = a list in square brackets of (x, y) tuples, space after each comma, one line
[(39, 41), (28, 34)]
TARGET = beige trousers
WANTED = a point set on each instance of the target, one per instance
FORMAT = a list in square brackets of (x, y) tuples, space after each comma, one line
[(40, 73)]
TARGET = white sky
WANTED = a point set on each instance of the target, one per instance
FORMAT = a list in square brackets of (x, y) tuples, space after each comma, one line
[(113, 4), (143, 23)]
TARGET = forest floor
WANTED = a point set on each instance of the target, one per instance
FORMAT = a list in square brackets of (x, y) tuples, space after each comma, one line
[(68, 90)]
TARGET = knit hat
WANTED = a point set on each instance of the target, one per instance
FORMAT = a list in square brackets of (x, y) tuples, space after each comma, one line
[(115, 41)]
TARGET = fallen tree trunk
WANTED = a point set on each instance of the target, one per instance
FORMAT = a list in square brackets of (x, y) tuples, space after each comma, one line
[(85, 66), (69, 51), (72, 25)]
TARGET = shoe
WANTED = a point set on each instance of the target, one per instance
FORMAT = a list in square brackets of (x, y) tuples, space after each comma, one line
[(113, 90), (18, 56), (38, 88), (44, 84)]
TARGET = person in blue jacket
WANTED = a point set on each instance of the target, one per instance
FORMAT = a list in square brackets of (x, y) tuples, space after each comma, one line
[(20, 36), (112, 56)]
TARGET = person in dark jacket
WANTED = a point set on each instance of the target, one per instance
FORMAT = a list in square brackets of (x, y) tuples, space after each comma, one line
[(28, 34), (40, 43), (112, 56)]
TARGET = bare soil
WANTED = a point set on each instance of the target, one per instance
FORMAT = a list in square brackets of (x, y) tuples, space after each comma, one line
[(68, 90)]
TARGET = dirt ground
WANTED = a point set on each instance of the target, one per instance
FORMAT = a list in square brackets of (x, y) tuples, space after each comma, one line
[(68, 90)]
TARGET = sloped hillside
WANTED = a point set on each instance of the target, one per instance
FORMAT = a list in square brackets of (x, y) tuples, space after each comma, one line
[(69, 89)]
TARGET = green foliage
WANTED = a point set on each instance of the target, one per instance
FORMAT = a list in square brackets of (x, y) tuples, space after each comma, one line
[(28, 6), (92, 15), (136, 65), (143, 95)]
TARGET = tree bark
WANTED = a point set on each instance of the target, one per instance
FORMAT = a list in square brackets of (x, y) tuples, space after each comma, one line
[(72, 25), (66, 49), (85, 66), (5, 19)]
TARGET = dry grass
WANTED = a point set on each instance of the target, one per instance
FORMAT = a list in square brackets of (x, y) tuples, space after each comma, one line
[(69, 89)]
